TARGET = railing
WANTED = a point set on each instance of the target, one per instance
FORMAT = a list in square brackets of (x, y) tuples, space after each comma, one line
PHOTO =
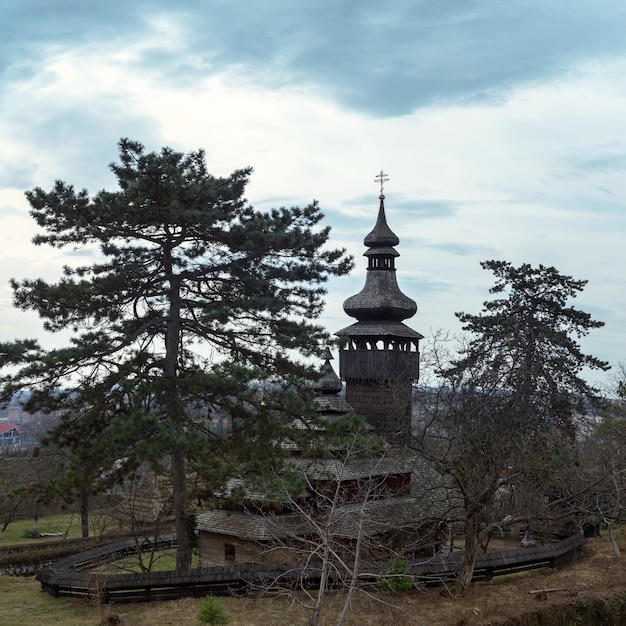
[(487, 566), (26, 559), (68, 578)]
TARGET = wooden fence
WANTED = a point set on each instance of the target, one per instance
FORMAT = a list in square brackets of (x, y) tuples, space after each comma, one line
[(26, 559), (492, 564), (69, 578)]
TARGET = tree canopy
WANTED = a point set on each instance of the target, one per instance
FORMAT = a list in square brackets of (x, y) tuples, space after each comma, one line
[(526, 342), (501, 424), (193, 294)]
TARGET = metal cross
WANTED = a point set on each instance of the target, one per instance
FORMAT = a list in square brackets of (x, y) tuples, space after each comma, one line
[(381, 178)]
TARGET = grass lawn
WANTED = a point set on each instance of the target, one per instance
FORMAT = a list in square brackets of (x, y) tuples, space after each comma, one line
[(23, 603), (64, 522), (51, 524), (163, 561)]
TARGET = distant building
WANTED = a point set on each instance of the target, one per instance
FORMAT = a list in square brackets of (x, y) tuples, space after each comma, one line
[(14, 413), (10, 435)]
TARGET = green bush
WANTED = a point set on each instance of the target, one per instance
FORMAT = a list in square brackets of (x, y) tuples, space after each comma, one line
[(212, 612), (31, 533), (397, 579)]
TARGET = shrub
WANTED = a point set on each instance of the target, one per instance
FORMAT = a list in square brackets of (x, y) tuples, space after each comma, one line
[(31, 533), (212, 612), (397, 579)]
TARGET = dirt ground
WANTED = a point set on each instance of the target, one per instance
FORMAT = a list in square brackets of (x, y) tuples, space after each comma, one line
[(595, 572)]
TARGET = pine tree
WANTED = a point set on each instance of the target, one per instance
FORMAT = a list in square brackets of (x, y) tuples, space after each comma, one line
[(525, 343), (195, 293)]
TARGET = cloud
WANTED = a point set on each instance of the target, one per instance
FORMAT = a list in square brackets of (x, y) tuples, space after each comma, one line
[(389, 62), (501, 125), (463, 249), (412, 208), (605, 163), (363, 54), (32, 28)]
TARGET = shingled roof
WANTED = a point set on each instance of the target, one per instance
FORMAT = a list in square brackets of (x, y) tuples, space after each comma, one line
[(251, 526), (354, 469), (372, 517)]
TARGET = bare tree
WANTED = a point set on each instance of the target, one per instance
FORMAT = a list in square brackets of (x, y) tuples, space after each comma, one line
[(498, 468), (23, 479), (502, 417), (145, 507), (595, 492), (357, 517)]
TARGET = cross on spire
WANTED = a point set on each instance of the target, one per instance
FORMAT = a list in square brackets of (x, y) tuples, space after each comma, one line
[(381, 178)]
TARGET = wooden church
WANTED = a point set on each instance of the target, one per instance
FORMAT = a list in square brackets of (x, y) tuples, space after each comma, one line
[(355, 497)]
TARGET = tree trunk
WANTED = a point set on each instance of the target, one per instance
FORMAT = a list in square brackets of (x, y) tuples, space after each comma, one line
[(36, 521), (183, 530), (175, 415), (84, 515), (321, 592), (466, 572), (354, 578)]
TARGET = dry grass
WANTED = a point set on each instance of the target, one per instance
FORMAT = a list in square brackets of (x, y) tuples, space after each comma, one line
[(595, 573)]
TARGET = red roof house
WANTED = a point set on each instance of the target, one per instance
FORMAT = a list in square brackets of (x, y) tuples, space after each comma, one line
[(10, 434)]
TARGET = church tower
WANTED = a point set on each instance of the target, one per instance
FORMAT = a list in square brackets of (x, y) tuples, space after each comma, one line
[(380, 360)]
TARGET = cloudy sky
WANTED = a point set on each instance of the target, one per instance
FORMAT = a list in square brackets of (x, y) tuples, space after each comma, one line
[(501, 125)]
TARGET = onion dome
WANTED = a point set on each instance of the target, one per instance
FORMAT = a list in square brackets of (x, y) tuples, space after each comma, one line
[(382, 235), (381, 298)]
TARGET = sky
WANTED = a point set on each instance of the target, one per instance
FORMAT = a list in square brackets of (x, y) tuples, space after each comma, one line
[(501, 125)]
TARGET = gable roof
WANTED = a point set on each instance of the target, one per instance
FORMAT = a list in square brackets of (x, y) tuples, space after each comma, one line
[(7, 427)]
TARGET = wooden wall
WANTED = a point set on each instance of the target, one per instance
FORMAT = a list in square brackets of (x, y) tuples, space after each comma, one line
[(213, 551)]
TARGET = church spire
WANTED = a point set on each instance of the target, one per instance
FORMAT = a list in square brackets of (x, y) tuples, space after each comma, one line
[(381, 235), (329, 383), (380, 359), (381, 298)]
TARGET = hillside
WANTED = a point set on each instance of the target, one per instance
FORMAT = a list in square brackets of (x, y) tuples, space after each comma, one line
[(596, 573)]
